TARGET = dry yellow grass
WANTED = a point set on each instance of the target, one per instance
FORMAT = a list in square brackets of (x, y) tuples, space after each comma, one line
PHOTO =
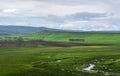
[(88, 46)]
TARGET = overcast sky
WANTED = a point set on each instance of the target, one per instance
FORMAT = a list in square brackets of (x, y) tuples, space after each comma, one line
[(89, 15)]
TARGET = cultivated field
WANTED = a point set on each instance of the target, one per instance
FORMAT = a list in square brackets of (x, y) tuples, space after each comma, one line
[(76, 60)]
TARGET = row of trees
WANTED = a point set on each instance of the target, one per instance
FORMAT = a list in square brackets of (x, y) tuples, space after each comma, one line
[(74, 40)]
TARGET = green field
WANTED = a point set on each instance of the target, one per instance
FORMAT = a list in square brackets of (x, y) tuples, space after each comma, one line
[(90, 37), (63, 61)]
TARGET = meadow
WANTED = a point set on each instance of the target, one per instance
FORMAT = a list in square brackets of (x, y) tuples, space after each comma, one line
[(90, 37), (63, 61)]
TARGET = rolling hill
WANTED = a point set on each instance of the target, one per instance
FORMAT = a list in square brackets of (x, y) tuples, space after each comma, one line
[(64, 36), (15, 30), (18, 30), (45, 60)]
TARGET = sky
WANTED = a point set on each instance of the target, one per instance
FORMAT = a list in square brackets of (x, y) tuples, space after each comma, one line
[(85, 15)]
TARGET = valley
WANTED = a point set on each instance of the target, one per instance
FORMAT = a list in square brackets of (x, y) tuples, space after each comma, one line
[(47, 60)]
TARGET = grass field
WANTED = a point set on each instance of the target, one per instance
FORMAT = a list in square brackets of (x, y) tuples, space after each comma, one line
[(63, 61), (90, 37)]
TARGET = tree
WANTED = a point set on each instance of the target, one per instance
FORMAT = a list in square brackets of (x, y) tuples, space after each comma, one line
[(20, 41)]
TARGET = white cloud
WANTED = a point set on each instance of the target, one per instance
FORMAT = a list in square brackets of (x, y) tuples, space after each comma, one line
[(89, 26), (13, 10), (44, 8), (53, 13)]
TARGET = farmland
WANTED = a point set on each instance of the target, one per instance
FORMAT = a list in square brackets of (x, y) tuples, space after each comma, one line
[(45, 60)]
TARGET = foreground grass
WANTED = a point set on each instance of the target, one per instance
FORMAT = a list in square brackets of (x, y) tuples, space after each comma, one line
[(63, 61), (58, 61)]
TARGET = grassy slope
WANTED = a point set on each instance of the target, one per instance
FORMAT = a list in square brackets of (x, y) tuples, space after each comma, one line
[(33, 61), (92, 37)]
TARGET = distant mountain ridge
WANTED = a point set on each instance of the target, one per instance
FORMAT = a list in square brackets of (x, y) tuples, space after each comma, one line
[(14, 30), (17, 30)]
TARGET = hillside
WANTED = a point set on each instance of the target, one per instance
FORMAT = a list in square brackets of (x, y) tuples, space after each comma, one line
[(15, 30), (90, 37), (60, 59)]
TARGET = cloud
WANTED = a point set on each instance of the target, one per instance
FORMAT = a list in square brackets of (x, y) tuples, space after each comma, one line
[(48, 7), (86, 16), (64, 14), (89, 26), (13, 10)]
